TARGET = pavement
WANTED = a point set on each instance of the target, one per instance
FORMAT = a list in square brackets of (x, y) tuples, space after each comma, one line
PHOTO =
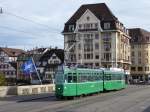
[(24, 98), (135, 98)]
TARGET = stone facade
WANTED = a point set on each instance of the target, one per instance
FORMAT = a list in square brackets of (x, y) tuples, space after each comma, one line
[(95, 37), (140, 55)]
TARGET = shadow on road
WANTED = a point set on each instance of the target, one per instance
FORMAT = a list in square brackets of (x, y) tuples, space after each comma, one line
[(147, 109), (30, 98)]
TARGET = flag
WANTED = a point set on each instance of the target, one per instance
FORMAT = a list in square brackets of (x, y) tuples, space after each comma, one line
[(28, 66)]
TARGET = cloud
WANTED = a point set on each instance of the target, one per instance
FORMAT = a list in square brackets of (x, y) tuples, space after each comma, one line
[(54, 13)]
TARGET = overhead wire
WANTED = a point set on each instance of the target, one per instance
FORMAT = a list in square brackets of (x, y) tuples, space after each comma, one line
[(29, 20), (21, 31)]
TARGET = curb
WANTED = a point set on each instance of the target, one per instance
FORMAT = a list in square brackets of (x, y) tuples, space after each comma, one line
[(31, 99)]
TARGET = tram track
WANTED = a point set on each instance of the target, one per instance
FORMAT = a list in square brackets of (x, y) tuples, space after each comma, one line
[(51, 104), (73, 104)]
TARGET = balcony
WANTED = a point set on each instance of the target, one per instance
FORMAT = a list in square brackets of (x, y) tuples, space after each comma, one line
[(106, 39), (86, 30)]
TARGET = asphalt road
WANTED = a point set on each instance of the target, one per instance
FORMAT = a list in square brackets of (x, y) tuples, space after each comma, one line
[(135, 98)]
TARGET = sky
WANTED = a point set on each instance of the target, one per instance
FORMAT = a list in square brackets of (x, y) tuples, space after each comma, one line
[(38, 23)]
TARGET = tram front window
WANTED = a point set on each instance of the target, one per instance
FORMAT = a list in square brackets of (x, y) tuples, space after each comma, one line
[(59, 78)]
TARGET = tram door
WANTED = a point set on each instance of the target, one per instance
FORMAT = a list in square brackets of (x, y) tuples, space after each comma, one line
[(72, 84)]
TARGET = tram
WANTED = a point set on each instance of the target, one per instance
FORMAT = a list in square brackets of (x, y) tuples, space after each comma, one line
[(75, 81)]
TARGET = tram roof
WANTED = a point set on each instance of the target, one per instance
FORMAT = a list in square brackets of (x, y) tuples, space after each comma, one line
[(107, 70)]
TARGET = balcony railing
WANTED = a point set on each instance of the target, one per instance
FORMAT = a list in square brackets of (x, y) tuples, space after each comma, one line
[(90, 29)]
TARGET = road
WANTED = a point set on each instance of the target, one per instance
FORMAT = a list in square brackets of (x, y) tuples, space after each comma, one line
[(135, 98)]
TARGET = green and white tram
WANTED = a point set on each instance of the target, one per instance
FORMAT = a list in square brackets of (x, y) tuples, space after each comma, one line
[(72, 82)]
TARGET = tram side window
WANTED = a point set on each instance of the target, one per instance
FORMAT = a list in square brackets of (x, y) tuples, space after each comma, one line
[(101, 76), (84, 78), (123, 77), (108, 77), (90, 78), (97, 77), (70, 78), (113, 77), (74, 78), (118, 77), (79, 77)]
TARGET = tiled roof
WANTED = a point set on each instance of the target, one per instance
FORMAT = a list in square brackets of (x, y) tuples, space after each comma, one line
[(100, 10), (12, 52), (139, 35), (49, 53), (37, 51)]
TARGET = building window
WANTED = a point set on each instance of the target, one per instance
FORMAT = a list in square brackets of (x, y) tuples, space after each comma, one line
[(96, 45), (139, 54), (106, 25), (146, 46), (146, 53), (44, 63), (139, 46), (140, 68), (96, 56), (79, 46), (54, 57), (147, 38), (133, 62), (96, 25), (88, 18), (96, 64), (88, 26), (88, 56), (71, 27), (97, 36), (133, 68), (139, 60), (80, 26), (146, 60), (79, 56), (107, 56), (107, 47), (106, 36), (146, 68), (132, 54)]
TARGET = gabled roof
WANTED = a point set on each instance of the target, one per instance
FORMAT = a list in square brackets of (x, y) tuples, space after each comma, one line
[(139, 35), (37, 51), (12, 52), (59, 53), (100, 10)]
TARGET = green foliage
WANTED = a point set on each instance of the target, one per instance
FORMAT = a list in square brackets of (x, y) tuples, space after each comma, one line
[(2, 80)]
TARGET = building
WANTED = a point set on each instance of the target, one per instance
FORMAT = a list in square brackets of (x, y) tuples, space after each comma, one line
[(46, 61), (8, 65), (49, 63), (10, 54), (140, 55), (94, 36), (35, 54)]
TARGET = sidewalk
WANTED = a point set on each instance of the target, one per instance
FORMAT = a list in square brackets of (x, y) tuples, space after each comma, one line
[(25, 97)]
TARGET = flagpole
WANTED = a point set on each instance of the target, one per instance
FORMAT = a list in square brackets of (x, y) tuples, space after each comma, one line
[(30, 78), (36, 71)]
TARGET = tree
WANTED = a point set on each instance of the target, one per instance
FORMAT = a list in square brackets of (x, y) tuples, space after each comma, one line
[(2, 79)]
